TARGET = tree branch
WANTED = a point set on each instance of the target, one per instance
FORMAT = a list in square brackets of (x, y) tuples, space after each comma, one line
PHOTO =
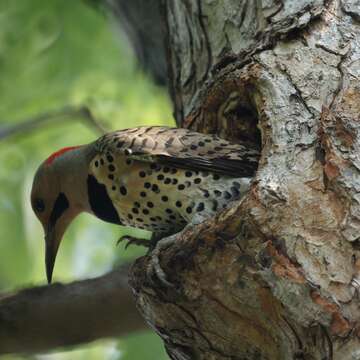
[(44, 317), (67, 112)]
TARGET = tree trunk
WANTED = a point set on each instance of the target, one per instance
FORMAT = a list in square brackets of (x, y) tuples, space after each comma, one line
[(276, 275)]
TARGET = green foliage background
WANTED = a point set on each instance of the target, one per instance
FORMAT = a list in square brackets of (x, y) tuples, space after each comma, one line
[(55, 53)]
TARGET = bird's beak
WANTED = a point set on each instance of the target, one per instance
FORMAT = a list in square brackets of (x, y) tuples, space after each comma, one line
[(55, 229), (52, 242)]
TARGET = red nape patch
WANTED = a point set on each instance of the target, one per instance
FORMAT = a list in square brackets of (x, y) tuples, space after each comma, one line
[(58, 153)]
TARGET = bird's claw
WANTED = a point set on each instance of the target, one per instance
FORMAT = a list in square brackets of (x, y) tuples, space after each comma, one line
[(133, 240), (355, 282), (154, 267)]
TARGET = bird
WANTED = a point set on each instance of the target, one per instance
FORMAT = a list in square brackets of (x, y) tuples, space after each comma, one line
[(155, 178)]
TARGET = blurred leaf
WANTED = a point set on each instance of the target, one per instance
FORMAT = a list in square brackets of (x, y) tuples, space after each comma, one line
[(54, 54), (144, 346)]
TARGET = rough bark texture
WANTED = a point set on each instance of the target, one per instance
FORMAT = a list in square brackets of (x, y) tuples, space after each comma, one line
[(277, 275), (42, 318), (274, 276)]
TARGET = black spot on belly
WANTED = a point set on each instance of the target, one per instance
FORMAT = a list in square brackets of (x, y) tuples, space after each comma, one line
[(100, 201)]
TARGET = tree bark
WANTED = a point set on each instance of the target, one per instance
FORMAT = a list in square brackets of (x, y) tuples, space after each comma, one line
[(276, 275)]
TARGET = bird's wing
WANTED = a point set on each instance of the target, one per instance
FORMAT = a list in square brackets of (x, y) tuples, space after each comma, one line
[(181, 148)]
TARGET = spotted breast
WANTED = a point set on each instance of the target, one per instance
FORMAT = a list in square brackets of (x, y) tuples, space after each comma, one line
[(157, 178)]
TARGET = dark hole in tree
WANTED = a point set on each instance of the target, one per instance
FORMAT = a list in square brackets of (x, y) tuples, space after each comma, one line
[(242, 121), (248, 130)]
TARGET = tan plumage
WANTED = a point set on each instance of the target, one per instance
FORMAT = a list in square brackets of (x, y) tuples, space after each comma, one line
[(182, 148), (158, 177), (155, 178)]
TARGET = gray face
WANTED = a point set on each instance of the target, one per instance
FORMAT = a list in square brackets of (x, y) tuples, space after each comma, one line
[(52, 207), (44, 192)]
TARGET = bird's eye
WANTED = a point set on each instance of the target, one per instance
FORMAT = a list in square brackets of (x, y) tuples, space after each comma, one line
[(39, 205)]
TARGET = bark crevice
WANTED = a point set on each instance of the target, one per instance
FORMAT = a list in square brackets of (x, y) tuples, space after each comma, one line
[(283, 257), (277, 274)]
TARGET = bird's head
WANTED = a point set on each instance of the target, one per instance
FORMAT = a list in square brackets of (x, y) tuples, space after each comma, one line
[(56, 199)]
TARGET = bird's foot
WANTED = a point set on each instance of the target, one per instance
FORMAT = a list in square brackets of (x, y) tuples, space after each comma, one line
[(355, 282), (130, 240), (154, 267)]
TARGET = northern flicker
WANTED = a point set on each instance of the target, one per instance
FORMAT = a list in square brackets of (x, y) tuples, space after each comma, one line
[(153, 178)]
